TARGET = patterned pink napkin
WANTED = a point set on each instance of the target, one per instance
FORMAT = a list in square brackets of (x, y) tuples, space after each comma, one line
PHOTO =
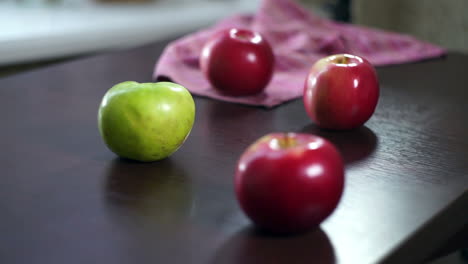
[(299, 39)]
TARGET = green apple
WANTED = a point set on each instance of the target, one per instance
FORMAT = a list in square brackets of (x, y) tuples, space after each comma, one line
[(146, 121)]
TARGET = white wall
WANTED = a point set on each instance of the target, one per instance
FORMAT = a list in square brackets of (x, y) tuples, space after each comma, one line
[(30, 31)]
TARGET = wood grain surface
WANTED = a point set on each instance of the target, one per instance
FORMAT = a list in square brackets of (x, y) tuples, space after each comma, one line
[(65, 198)]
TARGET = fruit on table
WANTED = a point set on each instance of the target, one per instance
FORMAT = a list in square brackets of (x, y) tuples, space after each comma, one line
[(289, 182), (237, 62), (341, 91), (146, 121)]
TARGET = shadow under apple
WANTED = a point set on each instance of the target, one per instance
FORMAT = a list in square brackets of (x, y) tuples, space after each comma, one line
[(154, 196), (355, 145), (252, 246)]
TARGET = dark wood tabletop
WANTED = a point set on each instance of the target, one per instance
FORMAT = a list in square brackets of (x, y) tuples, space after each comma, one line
[(65, 198)]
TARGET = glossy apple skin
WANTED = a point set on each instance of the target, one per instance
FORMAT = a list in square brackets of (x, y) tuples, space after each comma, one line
[(237, 62), (341, 95), (289, 190), (146, 121)]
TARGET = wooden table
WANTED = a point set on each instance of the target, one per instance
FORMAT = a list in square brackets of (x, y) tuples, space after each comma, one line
[(65, 198)]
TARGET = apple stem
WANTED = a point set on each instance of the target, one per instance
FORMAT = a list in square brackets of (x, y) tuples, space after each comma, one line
[(343, 60), (288, 141)]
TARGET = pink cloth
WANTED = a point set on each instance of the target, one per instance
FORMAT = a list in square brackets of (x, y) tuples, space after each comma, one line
[(299, 39)]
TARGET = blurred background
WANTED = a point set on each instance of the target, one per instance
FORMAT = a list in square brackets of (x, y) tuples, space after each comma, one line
[(34, 30)]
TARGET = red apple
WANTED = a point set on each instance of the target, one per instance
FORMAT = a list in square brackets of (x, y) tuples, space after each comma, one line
[(237, 62), (341, 92), (289, 183)]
